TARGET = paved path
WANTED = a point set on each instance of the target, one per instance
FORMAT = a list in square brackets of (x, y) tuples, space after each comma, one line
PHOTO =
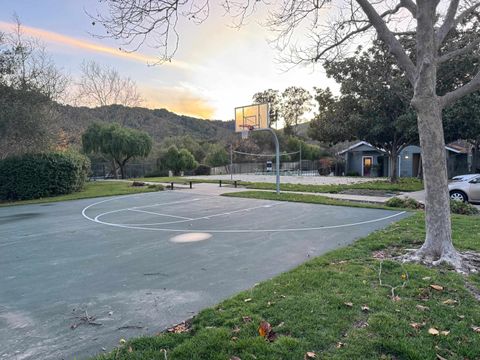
[(133, 262)]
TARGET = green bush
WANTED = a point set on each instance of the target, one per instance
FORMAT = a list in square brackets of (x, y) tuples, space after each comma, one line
[(462, 208), (202, 170), (33, 176), (157, 173), (408, 203), (156, 187)]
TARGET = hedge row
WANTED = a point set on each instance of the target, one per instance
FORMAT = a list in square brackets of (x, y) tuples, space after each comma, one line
[(33, 176)]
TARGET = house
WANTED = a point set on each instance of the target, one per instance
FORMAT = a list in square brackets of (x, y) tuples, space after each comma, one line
[(365, 159)]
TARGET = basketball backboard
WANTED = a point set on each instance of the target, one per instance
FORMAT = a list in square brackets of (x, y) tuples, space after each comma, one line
[(251, 117)]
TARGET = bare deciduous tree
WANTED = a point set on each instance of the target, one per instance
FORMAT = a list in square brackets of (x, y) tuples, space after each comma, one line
[(430, 21), (29, 84), (101, 86)]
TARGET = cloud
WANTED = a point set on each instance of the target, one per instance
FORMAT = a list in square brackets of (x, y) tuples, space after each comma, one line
[(79, 44), (180, 100)]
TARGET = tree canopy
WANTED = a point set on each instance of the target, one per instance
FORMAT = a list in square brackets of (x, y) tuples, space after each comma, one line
[(116, 143)]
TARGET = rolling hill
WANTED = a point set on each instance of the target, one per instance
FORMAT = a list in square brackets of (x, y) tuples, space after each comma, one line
[(159, 123)]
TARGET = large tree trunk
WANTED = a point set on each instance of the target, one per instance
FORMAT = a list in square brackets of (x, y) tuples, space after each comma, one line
[(438, 245), (393, 166)]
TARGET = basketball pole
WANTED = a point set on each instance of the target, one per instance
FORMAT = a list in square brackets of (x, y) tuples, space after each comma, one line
[(277, 156), (231, 162)]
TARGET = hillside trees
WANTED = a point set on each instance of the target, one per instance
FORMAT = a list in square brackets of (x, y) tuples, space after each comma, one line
[(295, 103), (29, 83), (430, 22), (116, 143), (217, 156), (177, 160)]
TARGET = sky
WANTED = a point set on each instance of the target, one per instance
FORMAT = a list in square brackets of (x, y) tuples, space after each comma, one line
[(216, 68)]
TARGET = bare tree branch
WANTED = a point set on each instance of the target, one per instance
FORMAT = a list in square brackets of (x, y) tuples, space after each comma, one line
[(470, 87), (103, 86), (410, 6), (448, 23), (459, 52), (390, 40)]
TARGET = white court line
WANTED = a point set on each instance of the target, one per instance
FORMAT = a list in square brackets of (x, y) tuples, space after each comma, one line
[(234, 230), (155, 213), (203, 217), (138, 207)]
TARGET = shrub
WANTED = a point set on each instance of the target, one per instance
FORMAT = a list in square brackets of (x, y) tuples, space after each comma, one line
[(157, 173), (202, 170), (156, 187), (408, 203), (462, 208), (352, 173), (33, 176)]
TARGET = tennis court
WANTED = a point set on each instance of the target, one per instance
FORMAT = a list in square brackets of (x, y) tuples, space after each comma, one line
[(140, 263)]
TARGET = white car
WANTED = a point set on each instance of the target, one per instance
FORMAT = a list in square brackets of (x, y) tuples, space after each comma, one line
[(464, 177), (465, 190)]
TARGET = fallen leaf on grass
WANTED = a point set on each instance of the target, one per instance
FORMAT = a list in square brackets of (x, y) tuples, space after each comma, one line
[(426, 278), (450, 302), (461, 316), (130, 349), (236, 329), (235, 358), (444, 332), (365, 308), (248, 300), (179, 328), (339, 345), (433, 331), (310, 355), (436, 287), (246, 319), (396, 298), (422, 308), (234, 338), (417, 325), (476, 328), (349, 304), (440, 357), (122, 341), (264, 328)]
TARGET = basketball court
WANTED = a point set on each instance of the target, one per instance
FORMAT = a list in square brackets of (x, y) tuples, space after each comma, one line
[(141, 263)]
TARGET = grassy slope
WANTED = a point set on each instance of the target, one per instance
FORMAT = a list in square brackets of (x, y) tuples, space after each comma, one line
[(404, 184), (305, 198), (306, 308), (91, 190)]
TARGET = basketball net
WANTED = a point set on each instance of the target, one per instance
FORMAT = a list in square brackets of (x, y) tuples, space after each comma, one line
[(246, 130)]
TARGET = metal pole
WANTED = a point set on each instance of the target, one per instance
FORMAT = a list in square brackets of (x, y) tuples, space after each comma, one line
[(231, 162), (300, 159), (277, 157)]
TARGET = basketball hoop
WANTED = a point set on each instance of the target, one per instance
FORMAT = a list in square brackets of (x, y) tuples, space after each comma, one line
[(245, 134)]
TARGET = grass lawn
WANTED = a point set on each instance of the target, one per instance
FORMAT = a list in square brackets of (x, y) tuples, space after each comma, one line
[(305, 198), (317, 307), (404, 184), (92, 189)]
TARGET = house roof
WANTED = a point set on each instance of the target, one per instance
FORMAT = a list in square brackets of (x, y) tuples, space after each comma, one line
[(360, 143), (456, 148)]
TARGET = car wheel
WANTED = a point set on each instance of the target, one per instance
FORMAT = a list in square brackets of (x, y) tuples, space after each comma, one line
[(458, 196)]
